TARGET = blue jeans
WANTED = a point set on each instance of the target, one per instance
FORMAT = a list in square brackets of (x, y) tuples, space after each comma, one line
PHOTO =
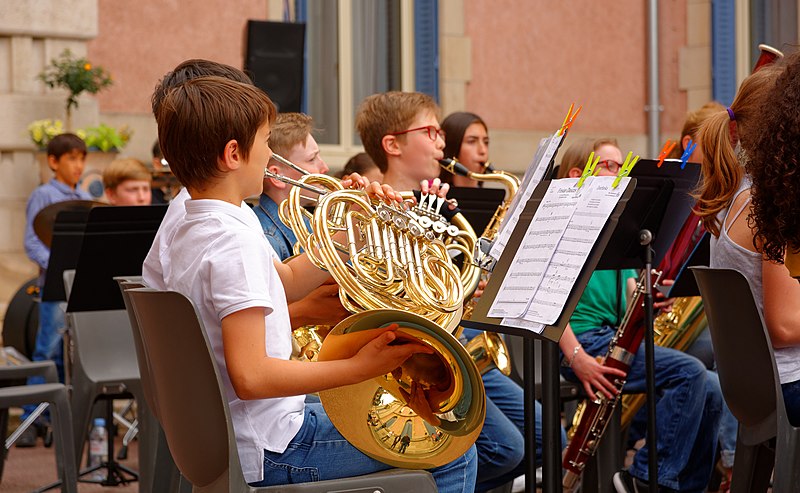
[(702, 349), (49, 343), (319, 452), (501, 443), (791, 399), (688, 407)]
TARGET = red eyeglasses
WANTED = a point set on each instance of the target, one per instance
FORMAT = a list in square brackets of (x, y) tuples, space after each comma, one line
[(432, 131), (611, 165)]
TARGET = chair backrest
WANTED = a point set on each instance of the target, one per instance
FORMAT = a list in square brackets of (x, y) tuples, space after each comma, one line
[(743, 352), (193, 408), (126, 283)]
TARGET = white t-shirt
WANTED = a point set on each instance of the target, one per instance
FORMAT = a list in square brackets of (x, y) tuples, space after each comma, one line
[(217, 255)]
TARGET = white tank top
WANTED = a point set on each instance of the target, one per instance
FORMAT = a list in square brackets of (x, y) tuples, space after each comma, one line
[(727, 254)]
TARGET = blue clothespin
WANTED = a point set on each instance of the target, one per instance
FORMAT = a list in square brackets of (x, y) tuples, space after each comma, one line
[(625, 170), (687, 152), (588, 171)]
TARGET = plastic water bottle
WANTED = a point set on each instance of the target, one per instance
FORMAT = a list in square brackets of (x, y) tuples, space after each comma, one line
[(98, 445)]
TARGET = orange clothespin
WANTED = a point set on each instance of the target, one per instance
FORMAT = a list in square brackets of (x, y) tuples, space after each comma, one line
[(668, 147), (569, 119)]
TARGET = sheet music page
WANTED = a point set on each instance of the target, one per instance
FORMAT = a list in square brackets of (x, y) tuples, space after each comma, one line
[(533, 176), (532, 258), (591, 215)]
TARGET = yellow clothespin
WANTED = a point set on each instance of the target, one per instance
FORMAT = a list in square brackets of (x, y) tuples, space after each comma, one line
[(625, 170), (569, 119), (588, 171)]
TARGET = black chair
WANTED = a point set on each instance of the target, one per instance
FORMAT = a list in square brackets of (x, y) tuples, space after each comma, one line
[(750, 384), (191, 405)]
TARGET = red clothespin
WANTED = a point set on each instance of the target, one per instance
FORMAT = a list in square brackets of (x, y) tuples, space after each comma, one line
[(668, 147), (569, 119)]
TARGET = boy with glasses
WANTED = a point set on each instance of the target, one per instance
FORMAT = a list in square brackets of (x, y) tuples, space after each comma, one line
[(401, 133)]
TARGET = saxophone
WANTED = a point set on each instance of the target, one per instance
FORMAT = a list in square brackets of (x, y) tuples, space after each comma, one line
[(593, 414), (511, 185), (488, 347)]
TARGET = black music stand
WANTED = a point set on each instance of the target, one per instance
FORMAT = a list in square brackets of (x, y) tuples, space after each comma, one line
[(64, 251), (115, 242), (652, 220), (478, 205), (549, 337)]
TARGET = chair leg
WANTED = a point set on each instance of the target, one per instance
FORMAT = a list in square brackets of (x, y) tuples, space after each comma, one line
[(787, 451), (62, 427), (752, 468), (81, 414)]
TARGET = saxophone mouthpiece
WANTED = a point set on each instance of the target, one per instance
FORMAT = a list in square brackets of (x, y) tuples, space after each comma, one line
[(452, 165), (488, 166)]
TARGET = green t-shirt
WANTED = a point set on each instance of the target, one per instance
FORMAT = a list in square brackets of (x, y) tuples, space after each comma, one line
[(603, 301)]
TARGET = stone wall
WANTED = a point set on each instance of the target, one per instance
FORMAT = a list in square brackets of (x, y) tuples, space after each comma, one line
[(31, 34)]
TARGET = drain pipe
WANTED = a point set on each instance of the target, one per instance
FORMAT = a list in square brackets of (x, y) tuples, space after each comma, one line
[(653, 108)]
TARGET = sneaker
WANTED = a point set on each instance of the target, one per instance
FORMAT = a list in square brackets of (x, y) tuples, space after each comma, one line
[(625, 483), (28, 437)]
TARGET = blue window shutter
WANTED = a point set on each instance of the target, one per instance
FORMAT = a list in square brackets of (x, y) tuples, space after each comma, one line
[(723, 50), (301, 15), (426, 47)]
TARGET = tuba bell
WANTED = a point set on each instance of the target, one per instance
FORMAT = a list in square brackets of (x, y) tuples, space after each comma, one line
[(392, 267)]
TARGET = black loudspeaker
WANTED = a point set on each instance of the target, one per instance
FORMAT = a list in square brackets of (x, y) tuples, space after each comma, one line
[(275, 61)]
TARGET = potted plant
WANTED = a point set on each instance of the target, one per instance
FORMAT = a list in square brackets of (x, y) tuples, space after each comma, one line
[(76, 75)]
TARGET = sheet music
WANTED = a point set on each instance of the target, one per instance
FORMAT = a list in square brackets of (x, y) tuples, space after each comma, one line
[(544, 154), (541, 239), (590, 216)]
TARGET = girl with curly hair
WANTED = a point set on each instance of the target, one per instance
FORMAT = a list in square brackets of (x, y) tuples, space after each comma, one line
[(729, 139), (774, 166)]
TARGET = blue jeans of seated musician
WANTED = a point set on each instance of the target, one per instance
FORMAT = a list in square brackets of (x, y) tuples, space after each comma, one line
[(501, 444), (791, 399), (688, 408), (319, 452), (49, 343)]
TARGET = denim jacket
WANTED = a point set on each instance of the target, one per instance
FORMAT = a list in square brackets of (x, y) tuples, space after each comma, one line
[(279, 235)]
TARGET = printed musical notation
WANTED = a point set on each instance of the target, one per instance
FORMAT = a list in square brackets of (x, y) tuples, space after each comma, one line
[(541, 240), (537, 298), (533, 175)]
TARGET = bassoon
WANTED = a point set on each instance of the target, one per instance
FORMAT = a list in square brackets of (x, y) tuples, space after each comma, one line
[(598, 409)]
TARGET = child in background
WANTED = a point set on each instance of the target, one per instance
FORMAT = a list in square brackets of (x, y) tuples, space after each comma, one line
[(66, 156), (127, 182)]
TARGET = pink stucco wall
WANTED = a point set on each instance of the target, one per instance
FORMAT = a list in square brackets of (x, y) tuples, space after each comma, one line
[(138, 42), (531, 59)]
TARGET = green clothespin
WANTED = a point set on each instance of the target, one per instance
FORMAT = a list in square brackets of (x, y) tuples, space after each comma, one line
[(626, 168), (589, 169)]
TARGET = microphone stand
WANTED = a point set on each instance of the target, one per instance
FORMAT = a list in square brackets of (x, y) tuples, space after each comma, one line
[(645, 239)]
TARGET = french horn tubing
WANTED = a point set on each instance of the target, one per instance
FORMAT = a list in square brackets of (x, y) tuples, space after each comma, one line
[(391, 266)]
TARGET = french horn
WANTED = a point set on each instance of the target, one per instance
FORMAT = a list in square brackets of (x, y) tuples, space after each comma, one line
[(392, 266)]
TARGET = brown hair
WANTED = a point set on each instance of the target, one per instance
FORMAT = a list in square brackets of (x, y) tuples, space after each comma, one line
[(121, 170), (192, 69), (578, 153), (721, 171), (289, 130), (454, 126), (360, 163), (199, 117), (65, 143), (774, 166), (386, 113), (691, 126)]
